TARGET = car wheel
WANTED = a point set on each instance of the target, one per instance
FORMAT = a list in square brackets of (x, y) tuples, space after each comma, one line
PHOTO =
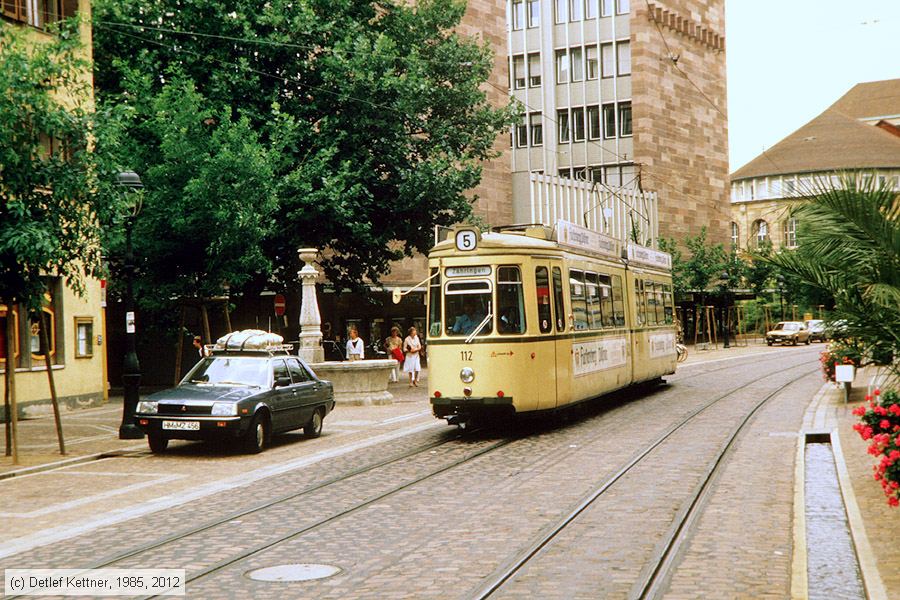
[(313, 429), (158, 443), (794, 342), (807, 341), (257, 436), (768, 343)]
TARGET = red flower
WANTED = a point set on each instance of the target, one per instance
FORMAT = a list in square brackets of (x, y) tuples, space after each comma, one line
[(860, 410), (877, 392), (895, 409), (880, 411), (893, 501), (885, 424)]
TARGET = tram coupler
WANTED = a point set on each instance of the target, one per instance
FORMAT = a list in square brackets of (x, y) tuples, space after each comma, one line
[(461, 421)]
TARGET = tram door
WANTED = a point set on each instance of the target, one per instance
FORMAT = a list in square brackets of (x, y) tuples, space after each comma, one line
[(562, 343), (544, 350)]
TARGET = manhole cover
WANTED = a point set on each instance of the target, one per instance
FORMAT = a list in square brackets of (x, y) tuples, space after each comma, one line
[(293, 572)]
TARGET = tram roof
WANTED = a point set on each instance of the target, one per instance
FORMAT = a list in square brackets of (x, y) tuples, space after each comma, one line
[(504, 240)]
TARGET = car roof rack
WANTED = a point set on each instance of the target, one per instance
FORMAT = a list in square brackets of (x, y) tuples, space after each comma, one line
[(251, 340)]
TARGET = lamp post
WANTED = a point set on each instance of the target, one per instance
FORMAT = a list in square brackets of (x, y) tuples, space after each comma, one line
[(780, 279), (725, 316), (131, 368)]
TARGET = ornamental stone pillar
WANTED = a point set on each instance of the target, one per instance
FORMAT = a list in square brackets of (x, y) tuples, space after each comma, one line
[(310, 320)]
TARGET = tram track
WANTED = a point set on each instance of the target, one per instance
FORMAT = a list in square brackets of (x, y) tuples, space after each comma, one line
[(653, 576)]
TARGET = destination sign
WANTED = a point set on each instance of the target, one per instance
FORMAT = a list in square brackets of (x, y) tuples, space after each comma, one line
[(581, 238), (467, 271), (649, 257)]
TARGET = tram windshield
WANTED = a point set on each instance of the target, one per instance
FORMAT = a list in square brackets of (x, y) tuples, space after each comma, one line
[(467, 303)]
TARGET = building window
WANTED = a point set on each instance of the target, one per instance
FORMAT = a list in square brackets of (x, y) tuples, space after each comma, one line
[(790, 187), (518, 14), (775, 187), (606, 8), (537, 129), (562, 119), (38, 13), (534, 70), (34, 333), (577, 64), (623, 57), (562, 11), (760, 232), (625, 119), (518, 72), (534, 13), (590, 59), (623, 7), (590, 9), (609, 121), (562, 67), (595, 132), (84, 337), (607, 60), (4, 315), (578, 124), (762, 189), (790, 232), (575, 12), (521, 135), (735, 235)]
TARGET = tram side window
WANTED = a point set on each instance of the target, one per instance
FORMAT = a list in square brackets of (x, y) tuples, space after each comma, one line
[(510, 301), (618, 302), (593, 300), (660, 303), (542, 285), (669, 304), (639, 305), (434, 304), (558, 300), (606, 300), (579, 308), (649, 304), (466, 305)]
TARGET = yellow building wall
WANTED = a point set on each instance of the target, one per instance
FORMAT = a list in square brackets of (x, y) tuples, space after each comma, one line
[(80, 381)]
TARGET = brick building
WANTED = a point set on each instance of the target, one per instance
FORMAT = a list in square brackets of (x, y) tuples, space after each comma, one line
[(626, 94), (859, 134)]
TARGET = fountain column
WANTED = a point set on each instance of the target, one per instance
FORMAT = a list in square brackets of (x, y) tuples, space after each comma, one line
[(310, 320)]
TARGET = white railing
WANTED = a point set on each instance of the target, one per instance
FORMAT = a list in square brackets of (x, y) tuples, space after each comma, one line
[(626, 214)]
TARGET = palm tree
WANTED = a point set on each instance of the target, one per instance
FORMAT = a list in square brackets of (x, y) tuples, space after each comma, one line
[(849, 246)]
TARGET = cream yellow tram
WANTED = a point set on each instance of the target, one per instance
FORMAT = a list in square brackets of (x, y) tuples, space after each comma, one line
[(534, 319)]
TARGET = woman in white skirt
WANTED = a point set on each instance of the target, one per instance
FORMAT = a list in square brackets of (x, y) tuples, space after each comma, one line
[(411, 347)]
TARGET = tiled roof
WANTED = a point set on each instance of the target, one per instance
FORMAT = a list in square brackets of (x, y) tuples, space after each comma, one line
[(835, 139)]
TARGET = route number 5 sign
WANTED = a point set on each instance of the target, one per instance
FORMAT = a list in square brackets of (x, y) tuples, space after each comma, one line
[(466, 239)]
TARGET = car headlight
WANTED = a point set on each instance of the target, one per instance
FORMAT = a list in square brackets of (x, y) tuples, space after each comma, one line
[(467, 375), (148, 408), (224, 409)]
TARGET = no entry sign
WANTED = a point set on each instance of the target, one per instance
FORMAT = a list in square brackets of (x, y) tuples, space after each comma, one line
[(279, 304)]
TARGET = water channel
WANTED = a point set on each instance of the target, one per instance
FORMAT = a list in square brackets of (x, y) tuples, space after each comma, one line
[(833, 571)]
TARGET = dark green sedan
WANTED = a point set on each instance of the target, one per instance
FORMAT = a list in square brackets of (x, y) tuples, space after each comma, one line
[(242, 395)]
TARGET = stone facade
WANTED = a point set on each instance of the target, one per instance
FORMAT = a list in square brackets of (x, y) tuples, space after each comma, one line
[(679, 104)]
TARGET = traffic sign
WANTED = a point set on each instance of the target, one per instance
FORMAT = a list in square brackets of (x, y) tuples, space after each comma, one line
[(279, 304)]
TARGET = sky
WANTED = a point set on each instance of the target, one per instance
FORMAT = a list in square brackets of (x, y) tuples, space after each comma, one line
[(788, 60)]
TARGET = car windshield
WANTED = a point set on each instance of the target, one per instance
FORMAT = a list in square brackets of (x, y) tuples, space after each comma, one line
[(228, 370), (788, 327)]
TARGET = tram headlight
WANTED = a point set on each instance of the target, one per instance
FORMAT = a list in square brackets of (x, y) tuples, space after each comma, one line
[(467, 375)]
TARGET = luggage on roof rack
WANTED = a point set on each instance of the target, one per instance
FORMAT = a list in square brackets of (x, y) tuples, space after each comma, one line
[(251, 340)]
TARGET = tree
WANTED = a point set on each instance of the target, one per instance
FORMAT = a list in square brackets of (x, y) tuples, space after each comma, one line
[(372, 112), (850, 248), (55, 189)]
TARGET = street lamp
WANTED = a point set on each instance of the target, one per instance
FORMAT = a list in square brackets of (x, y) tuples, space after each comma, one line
[(131, 368), (780, 279), (725, 318)]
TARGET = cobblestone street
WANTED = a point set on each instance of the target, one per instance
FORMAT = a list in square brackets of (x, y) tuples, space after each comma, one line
[(406, 507)]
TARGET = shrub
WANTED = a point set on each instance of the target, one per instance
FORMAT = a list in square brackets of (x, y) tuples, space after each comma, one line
[(839, 353)]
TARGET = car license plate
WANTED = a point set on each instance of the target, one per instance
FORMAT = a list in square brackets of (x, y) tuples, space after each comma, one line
[(182, 425)]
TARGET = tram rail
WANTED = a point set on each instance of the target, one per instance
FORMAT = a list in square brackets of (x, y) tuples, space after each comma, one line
[(654, 574)]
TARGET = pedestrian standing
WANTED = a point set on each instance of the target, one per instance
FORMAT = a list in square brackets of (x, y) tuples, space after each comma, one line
[(412, 346), (355, 346), (393, 344), (202, 350)]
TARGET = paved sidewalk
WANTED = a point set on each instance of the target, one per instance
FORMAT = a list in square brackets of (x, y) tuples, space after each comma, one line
[(92, 433)]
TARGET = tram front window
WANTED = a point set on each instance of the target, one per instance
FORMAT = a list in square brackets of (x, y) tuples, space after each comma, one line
[(510, 301), (467, 303)]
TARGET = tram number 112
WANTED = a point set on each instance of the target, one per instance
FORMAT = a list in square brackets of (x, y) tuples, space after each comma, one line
[(465, 355)]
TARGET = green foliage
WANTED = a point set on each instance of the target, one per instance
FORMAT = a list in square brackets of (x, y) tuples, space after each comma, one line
[(370, 117), (52, 205), (851, 249), (702, 270)]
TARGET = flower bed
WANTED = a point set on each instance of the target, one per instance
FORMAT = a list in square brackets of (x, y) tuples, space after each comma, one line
[(838, 353), (880, 426)]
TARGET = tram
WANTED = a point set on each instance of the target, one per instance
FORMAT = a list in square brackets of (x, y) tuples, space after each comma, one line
[(529, 319)]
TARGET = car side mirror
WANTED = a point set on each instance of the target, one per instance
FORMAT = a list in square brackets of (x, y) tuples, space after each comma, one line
[(282, 381)]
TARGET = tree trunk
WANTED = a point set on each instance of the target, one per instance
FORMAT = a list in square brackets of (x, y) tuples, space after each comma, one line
[(45, 342), (180, 346), (12, 449)]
